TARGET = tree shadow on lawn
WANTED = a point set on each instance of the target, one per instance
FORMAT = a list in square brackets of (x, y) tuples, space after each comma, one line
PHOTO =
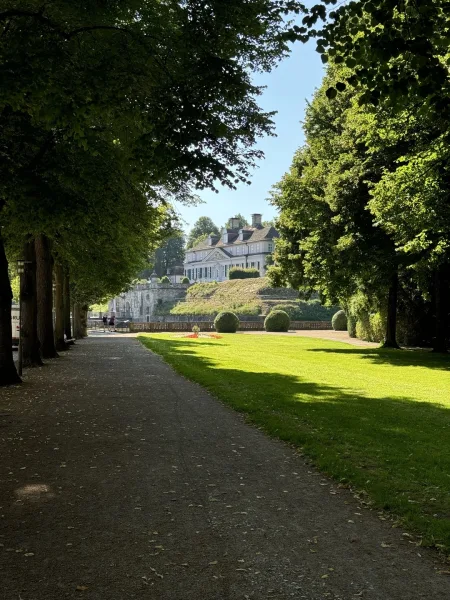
[(396, 449), (400, 358)]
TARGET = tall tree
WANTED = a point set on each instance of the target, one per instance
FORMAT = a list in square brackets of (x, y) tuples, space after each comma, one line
[(329, 239), (201, 230), (88, 62), (169, 255)]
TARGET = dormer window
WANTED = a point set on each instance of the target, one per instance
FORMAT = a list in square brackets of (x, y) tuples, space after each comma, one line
[(241, 235)]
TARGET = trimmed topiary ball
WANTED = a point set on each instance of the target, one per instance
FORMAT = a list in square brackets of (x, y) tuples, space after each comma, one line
[(185, 280), (164, 279), (339, 321), (226, 322), (277, 320)]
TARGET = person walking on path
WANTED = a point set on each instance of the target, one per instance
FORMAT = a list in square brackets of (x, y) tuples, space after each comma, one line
[(112, 321), (105, 322)]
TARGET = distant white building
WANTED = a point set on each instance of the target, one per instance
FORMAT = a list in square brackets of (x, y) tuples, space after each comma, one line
[(246, 247)]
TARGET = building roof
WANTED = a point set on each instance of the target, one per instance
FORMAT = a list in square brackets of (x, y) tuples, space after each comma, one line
[(256, 235)]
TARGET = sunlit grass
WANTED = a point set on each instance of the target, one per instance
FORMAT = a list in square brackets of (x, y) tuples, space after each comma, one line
[(377, 419)]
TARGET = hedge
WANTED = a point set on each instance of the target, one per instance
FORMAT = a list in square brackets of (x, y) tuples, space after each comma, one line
[(239, 273), (277, 320), (226, 322)]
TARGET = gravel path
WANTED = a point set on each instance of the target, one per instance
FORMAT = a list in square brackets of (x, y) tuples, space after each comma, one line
[(119, 479)]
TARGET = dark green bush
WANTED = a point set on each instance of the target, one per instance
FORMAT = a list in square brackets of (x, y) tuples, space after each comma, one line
[(226, 322), (277, 320), (239, 273), (307, 310), (185, 280), (164, 279), (339, 321)]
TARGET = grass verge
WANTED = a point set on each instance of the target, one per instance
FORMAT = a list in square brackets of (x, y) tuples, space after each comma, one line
[(377, 419)]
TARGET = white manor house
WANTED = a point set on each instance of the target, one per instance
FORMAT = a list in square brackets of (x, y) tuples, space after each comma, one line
[(246, 247)]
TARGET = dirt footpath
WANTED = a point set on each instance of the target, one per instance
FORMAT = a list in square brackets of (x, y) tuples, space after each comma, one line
[(120, 479)]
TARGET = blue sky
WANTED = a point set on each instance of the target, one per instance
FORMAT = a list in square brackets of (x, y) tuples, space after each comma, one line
[(288, 88)]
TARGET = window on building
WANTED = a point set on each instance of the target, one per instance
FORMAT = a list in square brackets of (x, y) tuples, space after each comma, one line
[(270, 247), (210, 272), (258, 265), (147, 310), (252, 265)]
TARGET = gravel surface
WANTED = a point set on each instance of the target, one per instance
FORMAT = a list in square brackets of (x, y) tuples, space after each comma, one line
[(120, 479)]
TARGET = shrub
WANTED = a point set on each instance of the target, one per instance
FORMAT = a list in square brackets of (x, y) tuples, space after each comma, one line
[(164, 279), (351, 326), (226, 322), (377, 327), (339, 321), (307, 310), (185, 280), (277, 320), (239, 273)]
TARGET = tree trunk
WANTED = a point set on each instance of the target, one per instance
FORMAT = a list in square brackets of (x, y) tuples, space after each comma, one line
[(60, 344), (391, 322), (44, 296), (66, 294), (84, 313), (8, 373), (31, 356), (77, 327), (441, 308)]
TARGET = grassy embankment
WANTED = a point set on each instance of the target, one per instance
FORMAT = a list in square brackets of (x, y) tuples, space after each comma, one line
[(244, 297), (374, 418)]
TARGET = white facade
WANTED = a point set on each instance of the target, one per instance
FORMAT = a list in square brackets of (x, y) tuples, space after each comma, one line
[(247, 248)]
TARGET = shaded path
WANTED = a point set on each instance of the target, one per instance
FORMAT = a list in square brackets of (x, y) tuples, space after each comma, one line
[(120, 478)]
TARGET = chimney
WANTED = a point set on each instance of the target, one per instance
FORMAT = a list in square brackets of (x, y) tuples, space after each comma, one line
[(234, 223), (256, 220)]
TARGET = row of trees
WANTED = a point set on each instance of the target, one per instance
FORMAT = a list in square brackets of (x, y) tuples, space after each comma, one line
[(108, 111), (364, 209)]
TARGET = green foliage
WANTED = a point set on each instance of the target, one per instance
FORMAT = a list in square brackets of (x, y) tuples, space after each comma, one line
[(164, 279), (185, 281), (15, 287), (226, 322), (339, 321), (307, 310), (277, 320), (349, 409), (240, 273), (169, 255), (202, 228), (100, 308), (351, 325)]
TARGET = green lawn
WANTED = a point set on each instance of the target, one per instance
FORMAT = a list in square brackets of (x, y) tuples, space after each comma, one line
[(377, 419)]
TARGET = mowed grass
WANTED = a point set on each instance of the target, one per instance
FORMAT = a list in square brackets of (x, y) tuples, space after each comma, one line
[(377, 419)]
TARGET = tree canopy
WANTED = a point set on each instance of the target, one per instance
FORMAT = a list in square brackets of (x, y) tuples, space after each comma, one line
[(201, 230)]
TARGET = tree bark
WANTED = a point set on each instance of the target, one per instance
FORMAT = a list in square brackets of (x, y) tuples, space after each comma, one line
[(391, 322), (8, 373), (60, 344), (77, 327), (84, 314), (31, 356), (66, 293), (441, 308), (44, 296)]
